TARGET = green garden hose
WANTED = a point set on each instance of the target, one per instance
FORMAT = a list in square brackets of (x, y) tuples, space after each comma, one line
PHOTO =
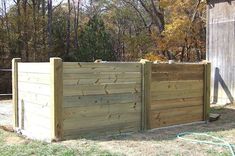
[(219, 142)]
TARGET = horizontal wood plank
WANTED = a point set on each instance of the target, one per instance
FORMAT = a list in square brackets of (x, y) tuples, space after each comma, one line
[(190, 93), (114, 66), (94, 69), (100, 110), (176, 103), (36, 120), (175, 76), (188, 68), (36, 110), (97, 81), (42, 89), (102, 121), (101, 89), (34, 98), (175, 112), (176, 120), (105, 130), (34, 78), (92, 100), (113, 75), (34, 68), (161, 86)]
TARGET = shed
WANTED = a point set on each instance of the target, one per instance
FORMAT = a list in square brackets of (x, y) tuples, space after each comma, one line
[(221, 49)]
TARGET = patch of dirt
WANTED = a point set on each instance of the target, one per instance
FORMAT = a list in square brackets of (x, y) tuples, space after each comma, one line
[(6, 112), (14, 140)]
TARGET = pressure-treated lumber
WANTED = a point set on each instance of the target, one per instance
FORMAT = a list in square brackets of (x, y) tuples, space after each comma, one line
[(177, 94), (207, 83), (101, 100), (146, 102), (42, 68), (56, 70), (69, 100), (100, 95), (15, 91)]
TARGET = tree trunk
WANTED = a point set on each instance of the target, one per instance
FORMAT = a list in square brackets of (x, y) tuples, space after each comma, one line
[(49, 27), (155, 14), (68, 30), (19, 38), (35, 30), (182, 54), (76, 21), (25, 37), (44, 25)]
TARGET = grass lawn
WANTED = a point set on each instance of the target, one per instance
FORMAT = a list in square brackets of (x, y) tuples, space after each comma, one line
[(13, 145), (151, 143)]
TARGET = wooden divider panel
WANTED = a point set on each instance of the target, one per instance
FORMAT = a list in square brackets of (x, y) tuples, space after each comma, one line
[(34, 100), (101, 98), (176, 94)]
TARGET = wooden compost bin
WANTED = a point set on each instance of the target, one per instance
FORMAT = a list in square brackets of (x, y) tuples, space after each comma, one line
[(176, 94), (64, 100)]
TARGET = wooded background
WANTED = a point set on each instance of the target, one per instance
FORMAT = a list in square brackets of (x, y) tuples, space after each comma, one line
[(112, 30), (85, 30)]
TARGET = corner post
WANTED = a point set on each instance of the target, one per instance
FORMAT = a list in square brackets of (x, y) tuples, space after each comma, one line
[(146, 95), (56, 85), (207, 88), (15, 92)]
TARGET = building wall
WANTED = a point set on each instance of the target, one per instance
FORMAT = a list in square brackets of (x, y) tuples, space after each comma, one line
[(221, 49)]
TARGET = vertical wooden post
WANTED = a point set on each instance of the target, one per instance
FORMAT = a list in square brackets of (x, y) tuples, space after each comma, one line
[(207, 88), (146, 94), (15, 92), (56, 98)]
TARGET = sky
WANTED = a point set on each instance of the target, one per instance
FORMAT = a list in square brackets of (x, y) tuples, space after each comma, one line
[(54, 2)]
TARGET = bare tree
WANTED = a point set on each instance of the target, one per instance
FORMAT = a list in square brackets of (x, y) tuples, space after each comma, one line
[(34, 3), (155, 12), (44, 24), (76, 21), (19, 38), (49, 26), (25, 28), (68, 29)]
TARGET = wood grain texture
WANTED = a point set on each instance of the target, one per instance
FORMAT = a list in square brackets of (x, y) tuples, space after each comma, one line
[(177, 94), (221, 49), (207, 82), (34, 99), (176, 103), (43, 68), (93, 100), (15, 91), (147, 95), (56, 69), (176, 76), (109, 129), (34, 78), (37, 88), (100, 95)]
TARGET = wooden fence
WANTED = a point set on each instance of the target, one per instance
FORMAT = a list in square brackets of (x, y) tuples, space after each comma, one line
[(63, 100)]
